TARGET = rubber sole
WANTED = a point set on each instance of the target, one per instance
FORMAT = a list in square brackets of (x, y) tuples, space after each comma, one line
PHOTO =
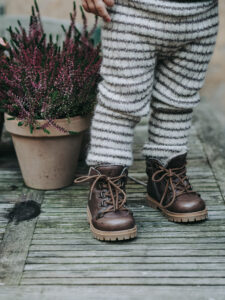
[(111, 235), (178, 217)]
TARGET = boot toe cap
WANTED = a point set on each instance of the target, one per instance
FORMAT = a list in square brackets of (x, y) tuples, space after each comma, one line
[(187, 204), (115, 221)]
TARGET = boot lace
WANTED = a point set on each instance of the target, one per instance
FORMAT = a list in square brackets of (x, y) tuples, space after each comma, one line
[(115, 197), (176, 181)]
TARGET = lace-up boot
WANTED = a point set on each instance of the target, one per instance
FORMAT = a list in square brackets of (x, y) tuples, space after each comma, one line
[(108, 215), (170, 191)]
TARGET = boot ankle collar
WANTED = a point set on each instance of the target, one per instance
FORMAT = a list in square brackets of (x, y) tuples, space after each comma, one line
[(108, 170), (176, 161)]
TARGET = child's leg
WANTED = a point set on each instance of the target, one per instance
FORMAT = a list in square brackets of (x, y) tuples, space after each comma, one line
[(168, 133), (175, 94), (111, 138), (124, 93), (179, 77)]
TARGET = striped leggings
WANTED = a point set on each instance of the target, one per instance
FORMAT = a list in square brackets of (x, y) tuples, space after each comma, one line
[(155, 57)]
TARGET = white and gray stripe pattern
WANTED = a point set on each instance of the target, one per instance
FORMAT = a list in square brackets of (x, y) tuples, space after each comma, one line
[(167, 133), (154, 52)]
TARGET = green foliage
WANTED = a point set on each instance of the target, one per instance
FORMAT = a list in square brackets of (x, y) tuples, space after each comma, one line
[(44, 80)]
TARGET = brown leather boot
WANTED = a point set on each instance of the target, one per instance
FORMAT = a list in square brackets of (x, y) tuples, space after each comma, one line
[(109, 218), (170, 191)]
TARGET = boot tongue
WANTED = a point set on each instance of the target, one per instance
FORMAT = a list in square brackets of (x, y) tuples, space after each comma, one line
[(108, 170), (177, 162)]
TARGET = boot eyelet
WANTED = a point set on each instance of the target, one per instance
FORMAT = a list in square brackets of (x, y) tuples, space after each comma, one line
[(102, 194), (102, 204)]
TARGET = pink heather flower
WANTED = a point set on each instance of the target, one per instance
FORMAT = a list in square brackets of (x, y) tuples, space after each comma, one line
[(42, 80), (2, 42)]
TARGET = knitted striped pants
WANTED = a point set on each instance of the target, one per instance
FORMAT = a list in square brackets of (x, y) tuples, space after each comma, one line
[(155, 55)]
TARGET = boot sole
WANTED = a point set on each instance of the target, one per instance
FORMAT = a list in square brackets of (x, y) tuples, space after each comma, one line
[(178, 217), (111, 235)]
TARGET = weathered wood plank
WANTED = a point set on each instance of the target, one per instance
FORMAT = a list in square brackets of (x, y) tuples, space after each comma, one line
[(76, 240), (123, 292), (48, 257), (15, 245), (144, 226), (164, 236), (125, 281), (80, 215), (71, 266), (145, 247), (212, 134), (61, 210), (220, 274), (146, 217), (177, 230), (51, 251)]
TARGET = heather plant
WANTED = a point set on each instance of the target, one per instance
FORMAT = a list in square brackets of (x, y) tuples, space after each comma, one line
[(45, 80), (3, 62), (3, 59)]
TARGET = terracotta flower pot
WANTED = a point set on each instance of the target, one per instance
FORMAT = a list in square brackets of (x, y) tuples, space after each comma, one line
[(48, 161)]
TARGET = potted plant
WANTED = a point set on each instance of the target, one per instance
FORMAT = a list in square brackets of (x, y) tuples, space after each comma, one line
[(50, 97), (2, 63)]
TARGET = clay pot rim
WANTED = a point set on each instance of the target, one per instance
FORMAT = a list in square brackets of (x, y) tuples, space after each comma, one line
[(77, 124)]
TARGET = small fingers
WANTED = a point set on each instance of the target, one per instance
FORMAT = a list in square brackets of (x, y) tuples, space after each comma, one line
[(102, 11), (91, 6), (85, 6), (98, 7), (109, 2)]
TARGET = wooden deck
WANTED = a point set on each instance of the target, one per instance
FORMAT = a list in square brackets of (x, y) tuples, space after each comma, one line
[(55, 255)]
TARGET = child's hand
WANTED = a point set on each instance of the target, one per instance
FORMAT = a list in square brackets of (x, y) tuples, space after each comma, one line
[(98, 7)]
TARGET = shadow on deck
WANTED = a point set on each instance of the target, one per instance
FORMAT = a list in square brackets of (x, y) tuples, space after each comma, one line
[(56, 256)]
